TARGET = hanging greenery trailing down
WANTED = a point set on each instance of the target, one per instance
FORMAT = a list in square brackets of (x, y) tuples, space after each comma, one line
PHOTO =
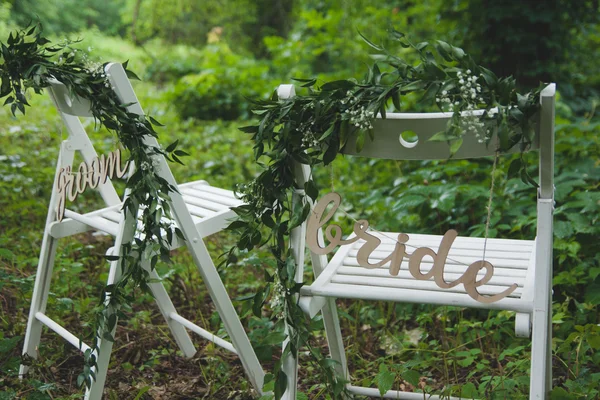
[(313, 128), (29, 62)]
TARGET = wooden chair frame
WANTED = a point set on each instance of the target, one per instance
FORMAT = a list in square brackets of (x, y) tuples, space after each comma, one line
[(532, 302), (199, 210)]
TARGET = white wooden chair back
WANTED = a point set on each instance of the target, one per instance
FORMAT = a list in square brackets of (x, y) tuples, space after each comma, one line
[(390, 144)]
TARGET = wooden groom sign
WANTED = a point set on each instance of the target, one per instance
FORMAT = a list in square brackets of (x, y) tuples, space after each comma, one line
[(333, 233), (71, 184)]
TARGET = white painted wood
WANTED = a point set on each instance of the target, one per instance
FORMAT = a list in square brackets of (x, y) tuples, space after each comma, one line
[(312, 305), (527, 263), (541, 353), (169, 312), (211, 209), (387, 140), (97, 223), (68, 104), (286, 91), (78, 138), (43, 276), (523, 325), (383, 293), (382, 277), (125, 235), (297, 244), (395, 394), (203, 332), (107, 219), (213, 198), (195, 244), (350, 266), (546, 170), (65, 334)]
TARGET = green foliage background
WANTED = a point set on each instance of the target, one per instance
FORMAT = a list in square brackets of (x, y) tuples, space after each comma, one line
[(201, 61)]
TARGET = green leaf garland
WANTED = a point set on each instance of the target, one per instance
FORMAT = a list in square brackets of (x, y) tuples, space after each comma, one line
[(312, 129), (29, 62)]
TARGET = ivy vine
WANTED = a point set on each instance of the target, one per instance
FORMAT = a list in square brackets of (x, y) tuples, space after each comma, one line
[(28, 61), (313, 128)]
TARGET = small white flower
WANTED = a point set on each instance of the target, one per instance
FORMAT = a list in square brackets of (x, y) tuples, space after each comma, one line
[(462, 81), (468, 71), (444, 92)]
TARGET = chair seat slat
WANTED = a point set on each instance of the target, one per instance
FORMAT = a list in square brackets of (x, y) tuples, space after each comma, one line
[(454, 259), (407, 279), (210, 205), (511, 260), (212, 197), (205, 187), (382, 293), (352, 265)]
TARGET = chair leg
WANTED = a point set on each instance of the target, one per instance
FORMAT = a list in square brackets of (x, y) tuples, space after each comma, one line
[(96, 389), (336, 350), (541, 353), (549, 350), (334, 337), (39, 298), (167, 308), (228, 314), (290, 367)]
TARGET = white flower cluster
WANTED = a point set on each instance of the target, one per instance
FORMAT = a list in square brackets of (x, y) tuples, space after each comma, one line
[(278, 298), (95, 68), (358, 115), (309, 138), (469, 97), (470, 90), (244, 189), (471, 124), (469, 93)]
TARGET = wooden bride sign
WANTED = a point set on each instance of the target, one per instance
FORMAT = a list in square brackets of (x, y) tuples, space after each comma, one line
[(333, 233), (71, 184)]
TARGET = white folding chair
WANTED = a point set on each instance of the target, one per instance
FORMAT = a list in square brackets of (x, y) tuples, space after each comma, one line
[(199, 210), (526, 263)]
